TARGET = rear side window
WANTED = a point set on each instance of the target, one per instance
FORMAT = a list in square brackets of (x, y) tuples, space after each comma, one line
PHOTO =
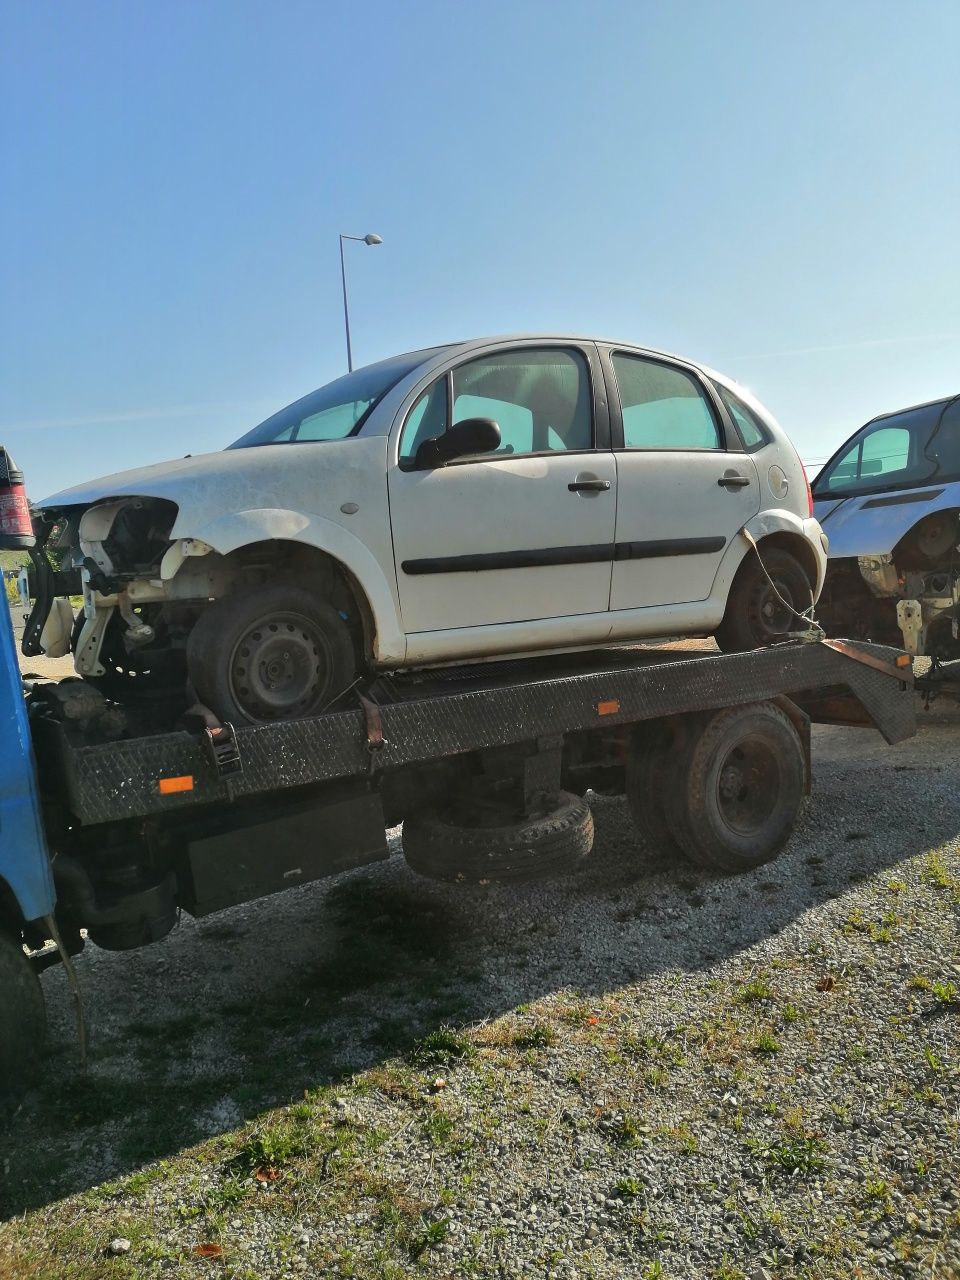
[(663, 407), (752, 431)]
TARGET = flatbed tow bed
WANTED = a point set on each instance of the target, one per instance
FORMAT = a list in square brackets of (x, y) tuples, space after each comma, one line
[(486, 767), (426, 717)]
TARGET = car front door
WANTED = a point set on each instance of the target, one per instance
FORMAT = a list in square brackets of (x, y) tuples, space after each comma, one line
[(684, 486), (522, 533)]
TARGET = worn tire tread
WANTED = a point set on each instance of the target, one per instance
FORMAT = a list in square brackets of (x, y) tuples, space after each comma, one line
[(437, 847)]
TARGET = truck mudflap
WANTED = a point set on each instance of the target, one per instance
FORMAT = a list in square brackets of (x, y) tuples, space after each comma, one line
[(427, 718)]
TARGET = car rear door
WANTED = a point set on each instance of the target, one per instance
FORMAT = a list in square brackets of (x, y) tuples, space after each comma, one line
[(685, 486), (525, 532)]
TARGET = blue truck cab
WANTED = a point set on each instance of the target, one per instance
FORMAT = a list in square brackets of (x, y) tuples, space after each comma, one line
[(26, 880)]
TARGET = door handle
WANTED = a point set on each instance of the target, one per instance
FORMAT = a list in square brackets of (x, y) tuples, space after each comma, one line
[(731, 480), (589, 486)]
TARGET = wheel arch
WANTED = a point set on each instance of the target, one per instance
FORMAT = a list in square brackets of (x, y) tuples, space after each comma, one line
[(237, 537), (770, 529)]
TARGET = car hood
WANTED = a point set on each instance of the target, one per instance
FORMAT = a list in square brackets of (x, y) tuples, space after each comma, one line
[(160, 480), (305, 480), (871, 524)]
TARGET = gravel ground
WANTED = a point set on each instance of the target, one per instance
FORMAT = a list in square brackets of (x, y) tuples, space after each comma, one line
[(639, 1071)]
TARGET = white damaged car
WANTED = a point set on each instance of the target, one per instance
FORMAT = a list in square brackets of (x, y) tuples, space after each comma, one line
[(492, 498)]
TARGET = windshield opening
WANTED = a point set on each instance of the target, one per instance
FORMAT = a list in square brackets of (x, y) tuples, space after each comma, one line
[(899, 451), (337, 410)]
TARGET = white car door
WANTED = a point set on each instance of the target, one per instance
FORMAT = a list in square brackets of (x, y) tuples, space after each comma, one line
[(683, 488), (522, 533)]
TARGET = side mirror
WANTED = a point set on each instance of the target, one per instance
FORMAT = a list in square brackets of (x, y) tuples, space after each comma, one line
[(473, 435)]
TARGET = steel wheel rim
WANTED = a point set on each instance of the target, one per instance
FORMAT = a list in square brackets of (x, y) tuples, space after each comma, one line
[(771, 616), (280, 667), (748, 786)]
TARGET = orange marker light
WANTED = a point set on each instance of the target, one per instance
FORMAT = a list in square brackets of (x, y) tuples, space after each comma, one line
[(608, 708), (903, 659), (170, 786)]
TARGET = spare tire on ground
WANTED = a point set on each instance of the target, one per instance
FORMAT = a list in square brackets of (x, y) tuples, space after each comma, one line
[(463, 844)]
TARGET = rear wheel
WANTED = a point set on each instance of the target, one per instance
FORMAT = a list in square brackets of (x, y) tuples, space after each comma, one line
[(756, 613), (23, 1018), (737, 789), (277, 654), (473, 844)]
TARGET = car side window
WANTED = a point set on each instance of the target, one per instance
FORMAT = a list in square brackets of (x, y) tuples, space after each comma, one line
[(874, 455), (540, 399), (752, 431), (425, 421), (663, 407)]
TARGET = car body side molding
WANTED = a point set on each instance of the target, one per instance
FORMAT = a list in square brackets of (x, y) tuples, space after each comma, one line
[(546, 556)]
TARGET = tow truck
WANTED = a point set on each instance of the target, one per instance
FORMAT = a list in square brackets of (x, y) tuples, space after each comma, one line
[(110, 828)]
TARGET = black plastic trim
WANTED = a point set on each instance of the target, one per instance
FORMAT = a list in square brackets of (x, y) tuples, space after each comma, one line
[(563, 555), (668, 547), (899, 499), (510, 560)]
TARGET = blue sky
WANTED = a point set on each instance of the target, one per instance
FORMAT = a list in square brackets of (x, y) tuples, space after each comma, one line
[(768, 187)]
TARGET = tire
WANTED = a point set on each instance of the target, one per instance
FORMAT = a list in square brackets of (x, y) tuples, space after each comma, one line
[(754, 616), (274, 654), (24, 1021), (439, 846), (738, 787), (646, 781)]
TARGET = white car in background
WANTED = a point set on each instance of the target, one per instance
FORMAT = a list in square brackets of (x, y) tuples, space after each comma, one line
[(492, 498)]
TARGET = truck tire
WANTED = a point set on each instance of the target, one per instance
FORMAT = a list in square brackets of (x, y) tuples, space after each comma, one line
[(754, 617), (23, 1019), (646, 781), (448, 846), (277, 653), (737, 789)]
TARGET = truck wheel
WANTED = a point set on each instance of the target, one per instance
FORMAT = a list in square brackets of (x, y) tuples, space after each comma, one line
[(647, 768), (754, 616), (456, 845), (274, 654), (23, 1018), (737, 789)]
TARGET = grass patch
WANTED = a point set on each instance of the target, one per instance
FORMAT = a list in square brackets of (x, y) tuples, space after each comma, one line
[(801, 1157), (441, 1048), (539, 1036)]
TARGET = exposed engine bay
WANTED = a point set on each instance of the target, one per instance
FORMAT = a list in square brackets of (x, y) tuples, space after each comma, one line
[(908, 597)]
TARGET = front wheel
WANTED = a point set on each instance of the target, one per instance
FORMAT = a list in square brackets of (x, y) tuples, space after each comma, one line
[(762, 610), (23, 1018), (275, 654)]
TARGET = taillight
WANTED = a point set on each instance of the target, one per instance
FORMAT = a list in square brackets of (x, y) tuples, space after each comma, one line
[(806, 479), (16, 527)]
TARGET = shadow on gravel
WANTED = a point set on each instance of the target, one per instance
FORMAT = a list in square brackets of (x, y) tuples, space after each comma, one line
[(234, 1015)]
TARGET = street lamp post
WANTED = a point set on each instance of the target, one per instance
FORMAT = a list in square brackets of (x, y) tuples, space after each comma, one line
[(368, 239)]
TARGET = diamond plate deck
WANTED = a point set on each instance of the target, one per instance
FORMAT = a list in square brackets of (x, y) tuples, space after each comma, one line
[(442, 716)]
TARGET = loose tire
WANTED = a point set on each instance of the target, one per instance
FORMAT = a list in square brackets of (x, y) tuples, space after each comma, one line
[(648, 767), (454, 846), (754, 616), (23, 1019), (738, 787), (275, 654)]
